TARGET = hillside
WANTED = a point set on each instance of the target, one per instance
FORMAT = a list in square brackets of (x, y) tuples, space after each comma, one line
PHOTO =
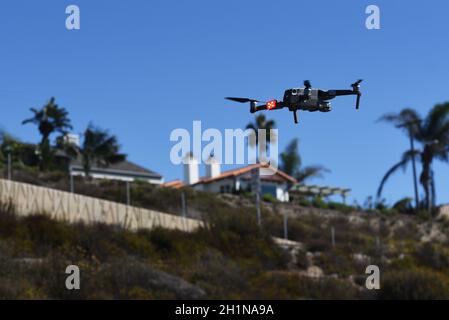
[(232, 258)]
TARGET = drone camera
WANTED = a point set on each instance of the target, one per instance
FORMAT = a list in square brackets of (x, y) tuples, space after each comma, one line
[(324, 106)]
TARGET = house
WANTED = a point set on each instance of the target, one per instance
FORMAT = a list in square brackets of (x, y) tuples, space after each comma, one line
[(233, 181), (124, 171)]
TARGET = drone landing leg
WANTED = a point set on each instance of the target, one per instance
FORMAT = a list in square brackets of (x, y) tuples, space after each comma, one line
[(295, 116)]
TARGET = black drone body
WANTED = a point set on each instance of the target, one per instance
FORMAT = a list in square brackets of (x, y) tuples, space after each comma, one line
[(306, 98)]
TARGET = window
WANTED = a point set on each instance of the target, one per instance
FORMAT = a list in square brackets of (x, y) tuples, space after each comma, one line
[(267, 189)]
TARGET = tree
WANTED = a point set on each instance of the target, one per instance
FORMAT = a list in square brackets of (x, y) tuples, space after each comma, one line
[(22, 154), (50, 119), (260, 123), (432, 134), (291, 164), (99, 148)]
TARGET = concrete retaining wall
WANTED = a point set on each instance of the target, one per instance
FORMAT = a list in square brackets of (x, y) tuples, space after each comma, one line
[(29, 199)]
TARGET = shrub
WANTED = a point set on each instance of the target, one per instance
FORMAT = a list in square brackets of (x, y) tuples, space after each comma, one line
[(237, 234), (269, 198), (337, 262), (319, 203), (414, 284), (8, 220), (340, 207), (304, 202), (433, 255), (328, 288), (404, 206)]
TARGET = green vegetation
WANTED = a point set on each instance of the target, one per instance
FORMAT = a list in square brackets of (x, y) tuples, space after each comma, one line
[(54, 155), (432, 133), (261, 123), (50, 119), (99, 148), (291, 164), (232, 258)]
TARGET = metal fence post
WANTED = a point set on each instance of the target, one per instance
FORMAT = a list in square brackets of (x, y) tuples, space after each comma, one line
[(128, 193), (183, 205)]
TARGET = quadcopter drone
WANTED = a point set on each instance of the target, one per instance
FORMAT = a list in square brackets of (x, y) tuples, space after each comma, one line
[(306, 98)]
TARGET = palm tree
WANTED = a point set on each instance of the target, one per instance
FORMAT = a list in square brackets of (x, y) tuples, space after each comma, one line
[(99, 148), (50, 119), (432, 133), (291, 164), (261, 123)]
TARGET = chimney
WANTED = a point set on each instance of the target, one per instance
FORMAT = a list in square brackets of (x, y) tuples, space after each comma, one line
[(191, 170), (72, 138), (212, 167)]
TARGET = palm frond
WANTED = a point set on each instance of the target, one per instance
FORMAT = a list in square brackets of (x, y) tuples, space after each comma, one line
[(436, 120), (406, 157), (309, 172), (407, 119)]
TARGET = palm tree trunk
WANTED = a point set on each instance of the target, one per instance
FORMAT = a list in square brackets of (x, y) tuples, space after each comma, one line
[(433, 191), (425, 182)]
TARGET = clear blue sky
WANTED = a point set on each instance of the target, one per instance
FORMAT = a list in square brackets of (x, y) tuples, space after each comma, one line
[(143, 68)]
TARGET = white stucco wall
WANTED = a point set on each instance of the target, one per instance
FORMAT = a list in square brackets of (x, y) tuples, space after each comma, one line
[(281, 190)]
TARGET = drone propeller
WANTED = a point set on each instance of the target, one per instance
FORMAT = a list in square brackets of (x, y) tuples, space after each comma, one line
[(253, 102), (307, 84), (241, 100)]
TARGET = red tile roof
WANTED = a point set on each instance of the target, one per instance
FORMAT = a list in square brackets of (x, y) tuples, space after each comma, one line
[(176, 184), (278, 176)]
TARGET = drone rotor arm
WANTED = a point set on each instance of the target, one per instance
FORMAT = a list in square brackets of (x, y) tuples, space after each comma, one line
[(342, 92), (279, 105)]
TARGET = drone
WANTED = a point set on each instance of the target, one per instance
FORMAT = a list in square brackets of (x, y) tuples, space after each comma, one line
[(307, 98)]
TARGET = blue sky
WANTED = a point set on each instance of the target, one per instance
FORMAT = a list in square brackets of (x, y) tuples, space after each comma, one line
[(144, 68)]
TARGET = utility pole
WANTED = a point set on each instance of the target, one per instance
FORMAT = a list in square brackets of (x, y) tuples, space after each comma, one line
[(256, 184)]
